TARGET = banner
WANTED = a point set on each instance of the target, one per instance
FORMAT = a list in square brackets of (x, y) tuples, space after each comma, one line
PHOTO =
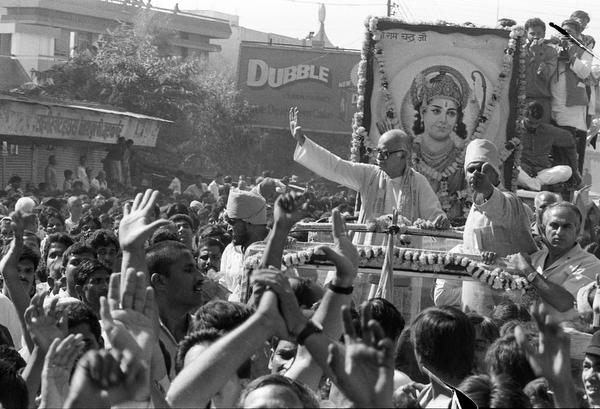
[(467, 60), (322, 83)]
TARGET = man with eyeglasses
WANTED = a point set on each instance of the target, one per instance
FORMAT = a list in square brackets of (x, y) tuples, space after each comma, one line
[(389, 184)]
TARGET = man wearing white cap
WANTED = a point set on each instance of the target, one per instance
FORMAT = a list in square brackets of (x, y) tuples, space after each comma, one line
[(246, 214), (391, 184), (498, 222)]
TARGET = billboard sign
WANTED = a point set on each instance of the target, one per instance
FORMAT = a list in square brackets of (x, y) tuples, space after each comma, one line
[(321, 83)]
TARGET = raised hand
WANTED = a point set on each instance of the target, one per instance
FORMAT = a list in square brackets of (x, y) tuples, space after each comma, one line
[(295, 128), (479, 180), (551, 359), (342, 254), (136, 225), (58, 366), (267, 306), (289, 208), (8, 265), (363, 369), (43, 325), (106, 378), (271, 279), (130, 320)]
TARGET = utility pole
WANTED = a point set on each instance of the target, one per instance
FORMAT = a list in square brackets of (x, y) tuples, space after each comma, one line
[(389, 8)]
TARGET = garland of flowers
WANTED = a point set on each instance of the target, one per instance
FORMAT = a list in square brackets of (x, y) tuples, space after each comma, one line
[(359, 133), (519, 33), (416, 260)]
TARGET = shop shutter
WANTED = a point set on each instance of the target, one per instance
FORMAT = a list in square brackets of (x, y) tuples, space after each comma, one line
[(67, 157), (17, 161)]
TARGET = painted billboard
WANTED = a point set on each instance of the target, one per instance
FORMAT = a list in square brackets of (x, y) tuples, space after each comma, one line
[(321, 82)]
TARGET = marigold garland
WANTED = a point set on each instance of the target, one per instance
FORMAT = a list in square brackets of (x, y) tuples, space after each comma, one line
[(416, 260)]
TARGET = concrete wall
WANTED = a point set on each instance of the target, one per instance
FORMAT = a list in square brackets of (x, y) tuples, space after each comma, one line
[(33, 51)]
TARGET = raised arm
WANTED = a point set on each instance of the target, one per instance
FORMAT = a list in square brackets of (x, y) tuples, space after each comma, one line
[(58, 367), (312, 358), (551, 357), (105, 378), (44, 327), (199, 381), (135, 228), (288, 210), (325, 163), (9, 269), (363, 368)]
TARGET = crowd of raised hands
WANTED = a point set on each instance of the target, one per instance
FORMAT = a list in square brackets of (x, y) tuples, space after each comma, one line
[(343, 357)]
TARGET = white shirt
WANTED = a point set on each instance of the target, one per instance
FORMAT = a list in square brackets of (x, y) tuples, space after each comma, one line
[(175, 186), (83, 177), (10, 319), (214, 189), (232, 268)]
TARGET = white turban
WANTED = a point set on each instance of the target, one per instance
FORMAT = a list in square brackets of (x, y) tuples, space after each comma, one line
[(247, 206), (482, 150)]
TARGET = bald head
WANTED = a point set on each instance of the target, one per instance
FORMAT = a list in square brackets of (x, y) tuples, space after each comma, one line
[(395, 139), (394, 150)]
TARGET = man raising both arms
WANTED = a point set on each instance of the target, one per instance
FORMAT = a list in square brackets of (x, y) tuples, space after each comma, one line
[(390, 184)]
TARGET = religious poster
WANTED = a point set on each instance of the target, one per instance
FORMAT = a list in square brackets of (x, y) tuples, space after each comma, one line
[(443, 86)]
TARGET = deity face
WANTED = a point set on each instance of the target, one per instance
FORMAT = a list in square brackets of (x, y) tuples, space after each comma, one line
[(439, 118)]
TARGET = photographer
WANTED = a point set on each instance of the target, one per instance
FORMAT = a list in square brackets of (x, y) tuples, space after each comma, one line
[(569, 96), (540, 66)]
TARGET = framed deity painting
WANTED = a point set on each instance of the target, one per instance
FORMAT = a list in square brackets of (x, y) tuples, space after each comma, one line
[(444, 86)]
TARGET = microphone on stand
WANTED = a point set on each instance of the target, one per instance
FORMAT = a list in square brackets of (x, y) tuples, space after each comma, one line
[(573, 39)]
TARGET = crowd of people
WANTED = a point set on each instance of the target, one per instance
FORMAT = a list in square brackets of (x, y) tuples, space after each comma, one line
[(146, 300)]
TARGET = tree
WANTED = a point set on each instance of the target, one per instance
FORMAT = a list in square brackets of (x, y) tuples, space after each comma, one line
[(129, 68)]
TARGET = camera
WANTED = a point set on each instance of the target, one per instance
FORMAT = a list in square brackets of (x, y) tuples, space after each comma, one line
[(563, 54)]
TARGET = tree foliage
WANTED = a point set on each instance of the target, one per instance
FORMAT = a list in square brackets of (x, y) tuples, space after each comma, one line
[(130, 68)]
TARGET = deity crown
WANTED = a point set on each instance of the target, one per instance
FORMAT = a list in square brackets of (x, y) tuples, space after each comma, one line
[(442, 86)]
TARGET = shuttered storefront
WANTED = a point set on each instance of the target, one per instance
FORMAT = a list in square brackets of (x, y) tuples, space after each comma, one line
[(16, 159), (67, 157)]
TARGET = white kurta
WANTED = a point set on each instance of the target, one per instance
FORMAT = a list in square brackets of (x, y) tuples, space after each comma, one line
[(232, 269), (411, 193)]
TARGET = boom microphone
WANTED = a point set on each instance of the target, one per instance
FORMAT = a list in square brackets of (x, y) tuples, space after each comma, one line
[(573, 39), (560, 30)]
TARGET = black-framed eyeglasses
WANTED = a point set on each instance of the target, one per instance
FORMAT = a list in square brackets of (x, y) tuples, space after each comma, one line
[(231, 220), (383, 153)]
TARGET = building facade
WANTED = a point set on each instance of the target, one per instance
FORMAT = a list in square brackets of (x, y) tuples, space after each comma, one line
[(41, 33), (32, 130)]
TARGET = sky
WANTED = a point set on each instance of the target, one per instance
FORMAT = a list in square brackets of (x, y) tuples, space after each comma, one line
[(344, 18)]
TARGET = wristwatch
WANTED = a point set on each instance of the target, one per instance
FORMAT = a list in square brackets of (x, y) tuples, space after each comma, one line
[(310, 329), (531, 276)]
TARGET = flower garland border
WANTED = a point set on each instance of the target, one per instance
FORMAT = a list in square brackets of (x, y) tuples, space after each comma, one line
[(416, 260), (360, 134)]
